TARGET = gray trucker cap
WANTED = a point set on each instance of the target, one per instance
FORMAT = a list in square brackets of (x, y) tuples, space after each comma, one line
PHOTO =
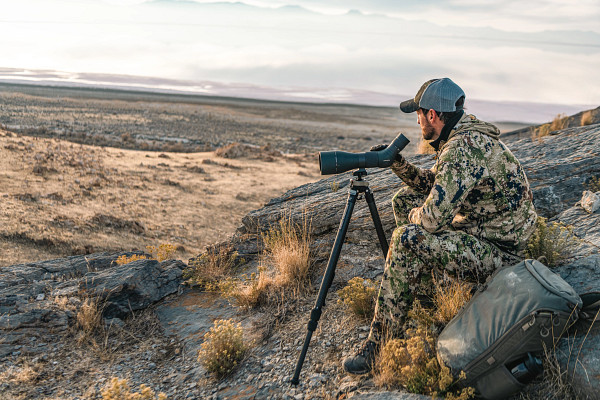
[(438, 94)]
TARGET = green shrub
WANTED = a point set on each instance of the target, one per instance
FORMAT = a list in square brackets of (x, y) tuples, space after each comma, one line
[(551, 242), (594, 184), (212, 267), (223, 348), (359, 297)]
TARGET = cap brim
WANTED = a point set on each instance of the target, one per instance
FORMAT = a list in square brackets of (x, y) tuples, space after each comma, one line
[(409, 106)]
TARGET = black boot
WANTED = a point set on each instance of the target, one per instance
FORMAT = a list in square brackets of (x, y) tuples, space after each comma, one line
[(362, 362)]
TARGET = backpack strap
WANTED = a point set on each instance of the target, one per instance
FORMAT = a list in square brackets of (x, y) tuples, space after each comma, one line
[(591, 306)]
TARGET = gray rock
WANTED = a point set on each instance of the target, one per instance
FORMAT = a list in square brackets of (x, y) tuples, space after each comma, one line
[(133, 286), (122, 288), (390, 396)]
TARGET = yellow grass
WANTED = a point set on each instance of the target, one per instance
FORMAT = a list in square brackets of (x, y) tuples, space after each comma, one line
[(285, 269), (587, 118), (287, 248), (559, 122), (449, 297), (89, 319), (411, 362), (122, 260)]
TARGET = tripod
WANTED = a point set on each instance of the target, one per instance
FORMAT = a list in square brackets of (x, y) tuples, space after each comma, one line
[(357, 186)]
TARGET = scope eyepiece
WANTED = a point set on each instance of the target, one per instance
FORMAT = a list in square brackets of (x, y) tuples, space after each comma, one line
[(336, 162)]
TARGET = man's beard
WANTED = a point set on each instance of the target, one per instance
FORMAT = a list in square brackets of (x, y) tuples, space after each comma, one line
[(427, 130)]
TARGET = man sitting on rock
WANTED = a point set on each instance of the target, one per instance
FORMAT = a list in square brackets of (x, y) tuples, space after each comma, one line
[(467, 216)]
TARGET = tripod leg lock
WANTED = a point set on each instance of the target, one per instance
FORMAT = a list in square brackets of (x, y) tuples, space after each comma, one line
[(315, 315)]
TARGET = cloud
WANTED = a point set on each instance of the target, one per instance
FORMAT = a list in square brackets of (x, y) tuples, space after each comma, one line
[(290, 47)]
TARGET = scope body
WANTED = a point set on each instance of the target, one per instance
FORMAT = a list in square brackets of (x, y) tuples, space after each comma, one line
[(336, 162)]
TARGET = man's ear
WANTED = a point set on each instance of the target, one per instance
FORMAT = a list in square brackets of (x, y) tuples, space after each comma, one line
[(432, 115)]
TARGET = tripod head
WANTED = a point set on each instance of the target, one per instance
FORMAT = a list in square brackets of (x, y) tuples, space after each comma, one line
[(360, 173)]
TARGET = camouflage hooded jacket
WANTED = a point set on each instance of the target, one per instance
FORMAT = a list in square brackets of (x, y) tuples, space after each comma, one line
[(476, 186)]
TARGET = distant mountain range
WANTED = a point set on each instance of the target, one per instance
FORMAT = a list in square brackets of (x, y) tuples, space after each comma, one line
[(499, 111)]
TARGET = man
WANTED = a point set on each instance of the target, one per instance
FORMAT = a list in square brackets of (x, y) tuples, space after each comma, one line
[(467, 216)]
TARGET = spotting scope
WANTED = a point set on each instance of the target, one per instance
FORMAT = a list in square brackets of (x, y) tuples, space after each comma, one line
[(336, 162)]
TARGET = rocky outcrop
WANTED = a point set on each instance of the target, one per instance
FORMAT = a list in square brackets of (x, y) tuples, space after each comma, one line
[(31, 294), (559, 167)]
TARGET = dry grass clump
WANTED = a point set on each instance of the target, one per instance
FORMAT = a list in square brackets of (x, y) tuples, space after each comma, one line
[(285, 269), (89, 319), (559, 122), (550, 242), (587, 118), (122, 260), (161, 253), (118, 389), (359, 297), (449, 298), (223, 348), (23, 374), (249, 291), (212, 267), (287, 249)]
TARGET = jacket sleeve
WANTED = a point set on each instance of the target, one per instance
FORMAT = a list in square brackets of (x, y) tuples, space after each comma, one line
[(420, 180), (457, 171)]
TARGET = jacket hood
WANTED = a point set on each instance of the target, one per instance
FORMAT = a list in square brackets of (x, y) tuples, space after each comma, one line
[(470, 123)]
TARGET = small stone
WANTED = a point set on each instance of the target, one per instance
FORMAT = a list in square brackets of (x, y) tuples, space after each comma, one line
[(74, 300), (40, 297), (590, 201), (151, 365)]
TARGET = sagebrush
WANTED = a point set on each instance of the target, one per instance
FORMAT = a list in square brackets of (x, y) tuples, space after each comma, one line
[(359, 297), (411, 362), (119, 389), (223, 348)]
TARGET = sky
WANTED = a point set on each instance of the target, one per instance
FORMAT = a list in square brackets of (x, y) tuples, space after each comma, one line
[(362, 51)]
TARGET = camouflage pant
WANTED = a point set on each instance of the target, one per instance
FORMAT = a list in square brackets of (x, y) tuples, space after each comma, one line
[(416, 255)]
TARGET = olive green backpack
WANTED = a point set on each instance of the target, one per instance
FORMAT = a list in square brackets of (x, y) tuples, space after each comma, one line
[(505, 327)]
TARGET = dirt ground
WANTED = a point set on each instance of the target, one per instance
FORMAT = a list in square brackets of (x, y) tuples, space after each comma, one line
[(60, 199)]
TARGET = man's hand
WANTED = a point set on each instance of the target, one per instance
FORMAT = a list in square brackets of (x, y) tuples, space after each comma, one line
[(379, 147)]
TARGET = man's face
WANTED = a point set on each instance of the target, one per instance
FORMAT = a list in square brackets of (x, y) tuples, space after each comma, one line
[(426, 128)]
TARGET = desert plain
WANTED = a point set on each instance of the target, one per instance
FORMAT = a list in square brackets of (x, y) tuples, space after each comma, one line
[(86, 170)]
